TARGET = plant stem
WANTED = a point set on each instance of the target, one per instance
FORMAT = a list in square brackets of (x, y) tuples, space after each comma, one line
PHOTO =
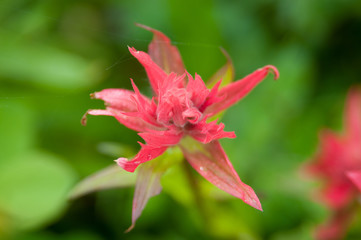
[(199, 201)]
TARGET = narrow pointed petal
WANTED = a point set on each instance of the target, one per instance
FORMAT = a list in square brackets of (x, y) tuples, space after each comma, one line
[(132, 122), (94, 112), (120, 99), (353, 115), (225, 73), (146, 109), (212, 163), (198, 90), (123, 105), (155, 74), (163, 53), (235, 91), (355, 177), (145, 154), (212, 97), (147, 186)]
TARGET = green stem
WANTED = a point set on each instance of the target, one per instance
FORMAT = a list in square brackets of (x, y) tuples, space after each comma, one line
[(194, 185)]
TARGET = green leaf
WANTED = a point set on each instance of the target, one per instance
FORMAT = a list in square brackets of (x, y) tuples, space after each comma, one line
[(110, 177), (46, 66), (176, 184), (16, 128), (33, 188)]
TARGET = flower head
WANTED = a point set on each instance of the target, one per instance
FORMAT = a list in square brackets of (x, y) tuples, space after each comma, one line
[(178, 115), (338, 163)]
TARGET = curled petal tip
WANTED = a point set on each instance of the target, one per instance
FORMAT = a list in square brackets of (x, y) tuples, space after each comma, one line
[(84, 119), (225, 53), (143, 26), (274, 70), (92, 95)]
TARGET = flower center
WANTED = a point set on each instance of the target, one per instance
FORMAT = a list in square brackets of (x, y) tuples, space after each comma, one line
[(175, 107)]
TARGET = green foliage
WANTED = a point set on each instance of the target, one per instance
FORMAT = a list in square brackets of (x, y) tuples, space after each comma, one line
[(110, 177), (33, 188), (53, 54)]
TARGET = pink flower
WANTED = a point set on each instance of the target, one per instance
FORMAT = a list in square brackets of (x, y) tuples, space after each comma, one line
[(178, 115), (338, 163)]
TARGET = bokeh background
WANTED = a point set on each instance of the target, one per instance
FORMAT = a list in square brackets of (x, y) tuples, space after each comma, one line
[(54, 53)]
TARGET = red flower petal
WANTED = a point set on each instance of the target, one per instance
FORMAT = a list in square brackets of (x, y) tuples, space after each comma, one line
[(124, 106), (206, 132), (145, 109), (163, 53), (212, 163), (120, 99), (355, 177), (337, 195), (192, 115), (132, 122), (161, 138), (145, 154), (198, 90), (353, 115), (330, 157), (155, 74), (235, 91)]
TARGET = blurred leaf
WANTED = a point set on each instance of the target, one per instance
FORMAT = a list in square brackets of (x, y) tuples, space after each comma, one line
[(5, 225), (16, 129), (115, 149), (175, 183), (303, 232), (72, 235), (228, 224), (33, 188), (110, 177), (46, 66)]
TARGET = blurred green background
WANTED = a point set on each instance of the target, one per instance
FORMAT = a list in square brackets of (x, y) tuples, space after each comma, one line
[(54, 53)]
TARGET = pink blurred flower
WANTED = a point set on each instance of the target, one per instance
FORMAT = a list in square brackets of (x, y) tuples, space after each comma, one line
[(178, 114), (338, 163)]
